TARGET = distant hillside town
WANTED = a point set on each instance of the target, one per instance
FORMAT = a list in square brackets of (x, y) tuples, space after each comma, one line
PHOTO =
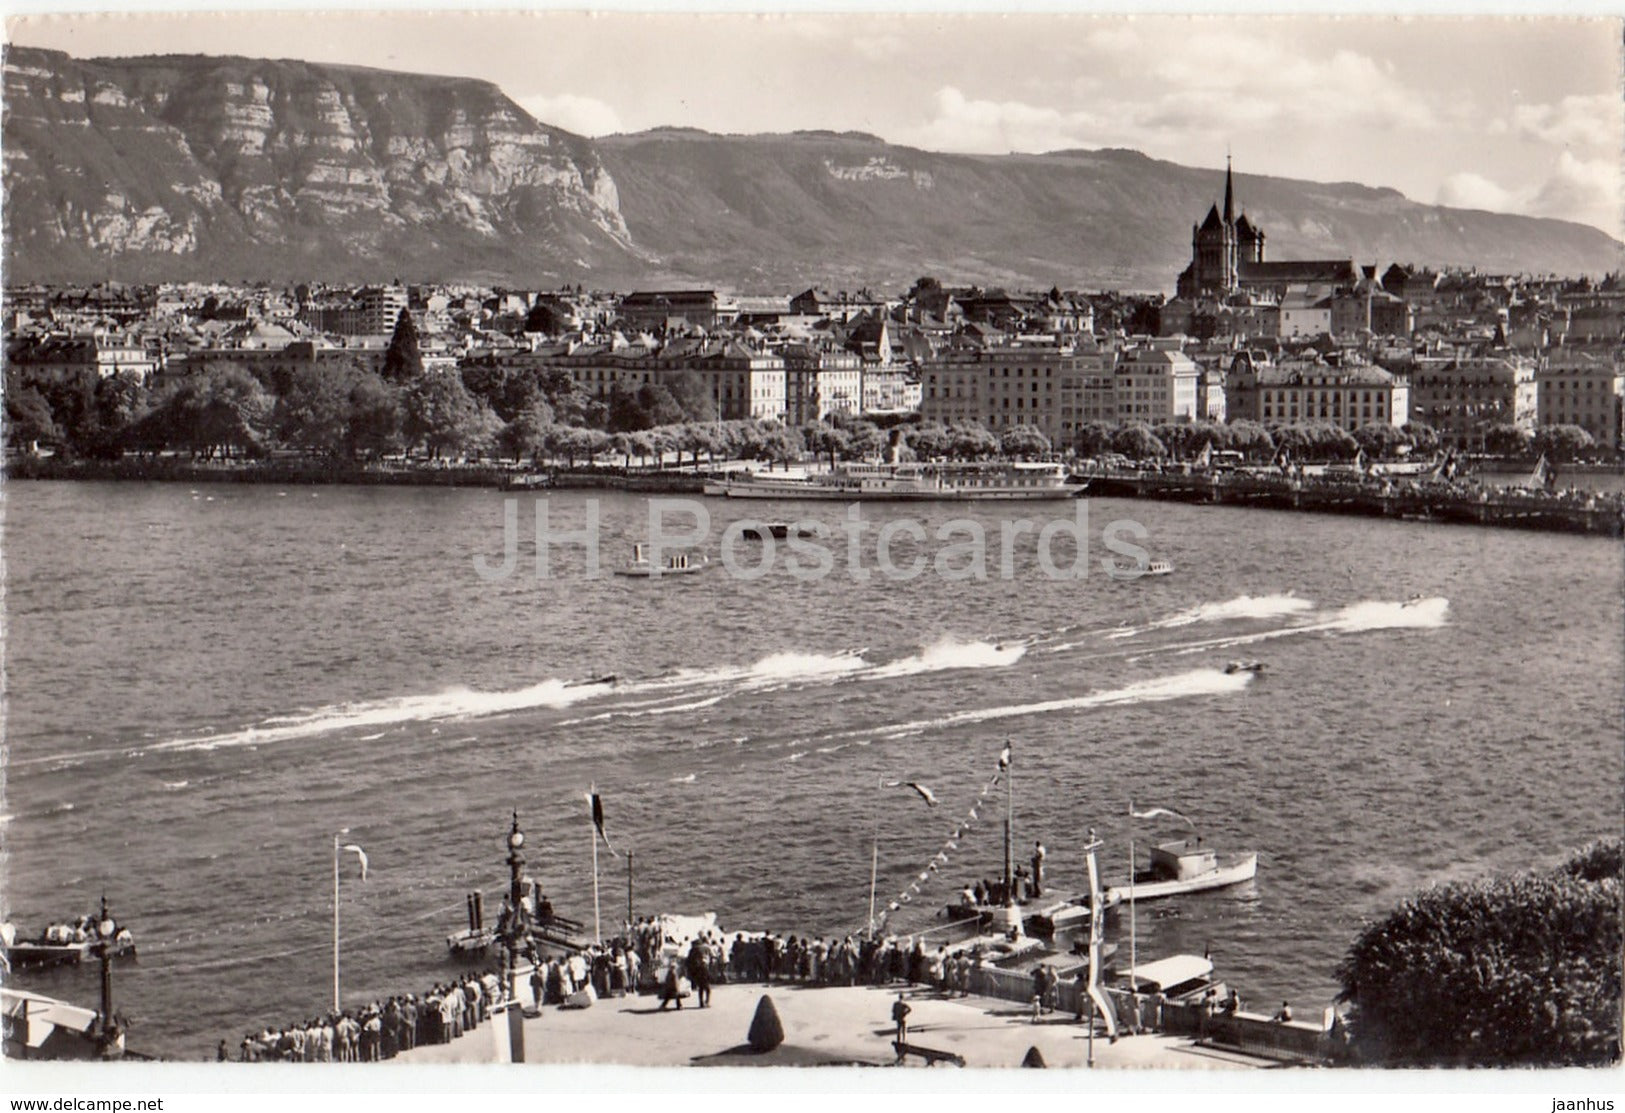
[(1336, 357)]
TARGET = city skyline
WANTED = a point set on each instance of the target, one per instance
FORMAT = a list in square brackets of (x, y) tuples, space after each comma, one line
[(1486, 113)]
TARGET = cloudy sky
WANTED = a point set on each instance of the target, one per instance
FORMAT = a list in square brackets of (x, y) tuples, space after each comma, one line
[(1511, 115)]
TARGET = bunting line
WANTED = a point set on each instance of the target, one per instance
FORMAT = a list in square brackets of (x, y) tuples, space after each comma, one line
[(942, 857)]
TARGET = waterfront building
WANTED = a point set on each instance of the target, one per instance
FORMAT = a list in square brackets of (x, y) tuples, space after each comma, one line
[(1584, 389), (1212, 404), (819, 382), (1313, 388), (890, 388), (1154, 382), (1041, 385), (743, 382), (1463, 397)]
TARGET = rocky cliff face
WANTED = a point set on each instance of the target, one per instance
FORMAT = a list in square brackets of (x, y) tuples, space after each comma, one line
[(163, 167), (190, 167)]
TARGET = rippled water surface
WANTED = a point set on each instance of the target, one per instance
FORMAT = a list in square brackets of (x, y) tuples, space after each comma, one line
[(205, 685)]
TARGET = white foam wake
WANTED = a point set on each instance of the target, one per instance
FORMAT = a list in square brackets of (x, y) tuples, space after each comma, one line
[(950, 653), (453, 703), (1242, 606), (1197, 682), (1377, 615)]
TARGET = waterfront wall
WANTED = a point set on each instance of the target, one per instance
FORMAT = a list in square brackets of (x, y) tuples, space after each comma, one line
[(305, 472), (1600, 514), (1251, 1033)]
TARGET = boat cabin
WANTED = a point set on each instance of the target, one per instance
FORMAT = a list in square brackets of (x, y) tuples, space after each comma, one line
[(1182, 859), (1181, 978)]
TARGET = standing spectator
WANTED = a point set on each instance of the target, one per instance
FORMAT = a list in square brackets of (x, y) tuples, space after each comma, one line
[(699, 973), (670, 991)]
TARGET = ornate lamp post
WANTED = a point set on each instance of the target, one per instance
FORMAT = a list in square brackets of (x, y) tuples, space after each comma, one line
[(109, 1039), (516, 917)]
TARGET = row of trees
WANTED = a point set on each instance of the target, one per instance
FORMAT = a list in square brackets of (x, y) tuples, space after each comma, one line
[(1259, 443), (1564, 443)]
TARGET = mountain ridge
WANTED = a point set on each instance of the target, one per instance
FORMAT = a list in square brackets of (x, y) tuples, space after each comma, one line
[(177, 166)]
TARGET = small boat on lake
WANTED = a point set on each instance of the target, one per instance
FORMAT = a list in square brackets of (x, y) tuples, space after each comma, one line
[(1186, 866), (606, 679), (679, 564), (779, 531), (63, 944), (1245, 665), (1158, 568)]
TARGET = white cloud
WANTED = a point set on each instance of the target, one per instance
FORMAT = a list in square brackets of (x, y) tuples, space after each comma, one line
[(995, 127), (1474, 191), (1582, 189), (1224, 80), (1178, 94), (1587, 191), (1592, 123), (582, 115)]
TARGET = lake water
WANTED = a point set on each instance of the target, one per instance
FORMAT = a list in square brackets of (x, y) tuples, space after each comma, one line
[(205, 685)]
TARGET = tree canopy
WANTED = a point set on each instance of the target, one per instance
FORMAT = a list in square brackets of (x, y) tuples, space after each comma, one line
[(1518, 971)]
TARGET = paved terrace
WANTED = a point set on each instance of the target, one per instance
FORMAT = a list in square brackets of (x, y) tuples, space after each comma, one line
[(822, 1025)]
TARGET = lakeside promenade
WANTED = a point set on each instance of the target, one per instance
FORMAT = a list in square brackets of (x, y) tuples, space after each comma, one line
[(1598, 513), (823, 1025)]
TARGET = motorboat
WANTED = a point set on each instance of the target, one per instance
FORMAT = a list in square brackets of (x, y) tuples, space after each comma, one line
[(1068, 913), (63, 944), (1246, 665), (678, 564), (607, 679), (779, 531), (1185, 866), (1158, 568)]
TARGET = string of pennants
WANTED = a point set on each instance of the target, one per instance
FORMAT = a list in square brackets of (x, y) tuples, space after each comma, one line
[(943, 856)]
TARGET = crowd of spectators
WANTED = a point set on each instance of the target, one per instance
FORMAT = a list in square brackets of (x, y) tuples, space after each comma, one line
[(381, 1029)]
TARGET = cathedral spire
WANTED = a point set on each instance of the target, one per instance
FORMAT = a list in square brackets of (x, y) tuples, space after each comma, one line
[(1229, 206)]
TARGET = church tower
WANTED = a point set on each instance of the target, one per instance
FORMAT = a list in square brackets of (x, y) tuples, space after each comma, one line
[(1219, 245)]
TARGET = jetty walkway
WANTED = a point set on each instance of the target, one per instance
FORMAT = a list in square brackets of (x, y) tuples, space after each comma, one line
[(1601, 513)]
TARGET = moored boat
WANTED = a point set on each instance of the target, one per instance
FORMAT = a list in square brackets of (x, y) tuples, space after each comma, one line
[(910, 482), (679, 564), (63, 944), (1186, 866)]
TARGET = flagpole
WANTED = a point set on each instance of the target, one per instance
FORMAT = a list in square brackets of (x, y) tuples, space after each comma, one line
[(1009, 826), (592, 833), (874, 858), (1133, 984), (336, 1007)]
